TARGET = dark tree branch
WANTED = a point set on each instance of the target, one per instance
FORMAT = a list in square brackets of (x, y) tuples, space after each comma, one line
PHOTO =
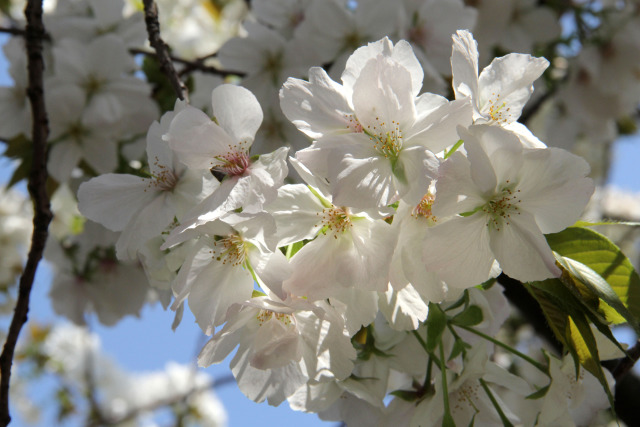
[(34, 35), (13, 31), (626, 364), (197, 64), (528, 112), (162, 51), (22, 32)]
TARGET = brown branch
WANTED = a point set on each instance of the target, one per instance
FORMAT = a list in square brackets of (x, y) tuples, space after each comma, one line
[(626, 364), (161, 403), (15, 31), (197, 64), (162, 51), (35, 33)]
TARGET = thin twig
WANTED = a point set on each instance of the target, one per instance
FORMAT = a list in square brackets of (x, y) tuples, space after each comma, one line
[(162, 403), (13, 31), (162, 51), (21, 32), (35, 33), (191, 65), (626, 364), (528, 112)]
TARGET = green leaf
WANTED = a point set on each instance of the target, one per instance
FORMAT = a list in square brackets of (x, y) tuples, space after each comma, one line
[(293, 248), (565, 315), (605, 222), (447, 420), (458, 347), (580, 335), (559, 300), (613, 308), (436, 323), (463, 300), (470, 317), (603, 257), (539, 393), (406, 395)]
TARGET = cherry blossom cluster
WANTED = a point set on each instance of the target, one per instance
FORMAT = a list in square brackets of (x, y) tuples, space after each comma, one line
[(375, 171), (408, 200)]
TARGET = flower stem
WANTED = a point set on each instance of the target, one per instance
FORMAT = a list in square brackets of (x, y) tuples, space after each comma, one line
[(523, 356), (447, 419), (503, 417)]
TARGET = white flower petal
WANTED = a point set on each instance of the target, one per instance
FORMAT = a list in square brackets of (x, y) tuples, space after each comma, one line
[(317, 107), (113, 199), (510, 78), (557, 190), (237, 111), (459, 251), (522, 251), (464, 65)]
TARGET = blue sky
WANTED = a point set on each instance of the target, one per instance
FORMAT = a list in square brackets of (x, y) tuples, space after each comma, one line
[(148, 343)]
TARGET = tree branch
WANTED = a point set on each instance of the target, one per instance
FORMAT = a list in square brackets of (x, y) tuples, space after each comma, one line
[(15, 31), (161, 403), (191, 65), (162, 51), (34, 35), (626, 364)]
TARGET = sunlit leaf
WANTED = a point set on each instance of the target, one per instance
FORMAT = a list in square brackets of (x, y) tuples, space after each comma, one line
[(470, 317), (603, 257)]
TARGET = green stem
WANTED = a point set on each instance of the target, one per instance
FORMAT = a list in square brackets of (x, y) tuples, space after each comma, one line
[(503, 417), (447, 419), (455, 147), (523, 356), (422, 342), (427, 379)]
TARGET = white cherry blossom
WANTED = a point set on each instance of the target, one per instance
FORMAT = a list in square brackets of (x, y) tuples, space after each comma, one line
[(282, 345), (501, 90), (505, 198), (142, 208), (223, 146)]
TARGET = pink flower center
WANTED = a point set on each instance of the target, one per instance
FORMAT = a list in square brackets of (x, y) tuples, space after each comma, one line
[(423, 209), (233, 163)]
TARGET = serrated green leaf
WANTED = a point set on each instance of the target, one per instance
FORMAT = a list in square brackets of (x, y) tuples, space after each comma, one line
[(613, 308), (556, 318), (568, 320), (436, 323), (470, 317), (562, 298), (602, 256), (581, 337)]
